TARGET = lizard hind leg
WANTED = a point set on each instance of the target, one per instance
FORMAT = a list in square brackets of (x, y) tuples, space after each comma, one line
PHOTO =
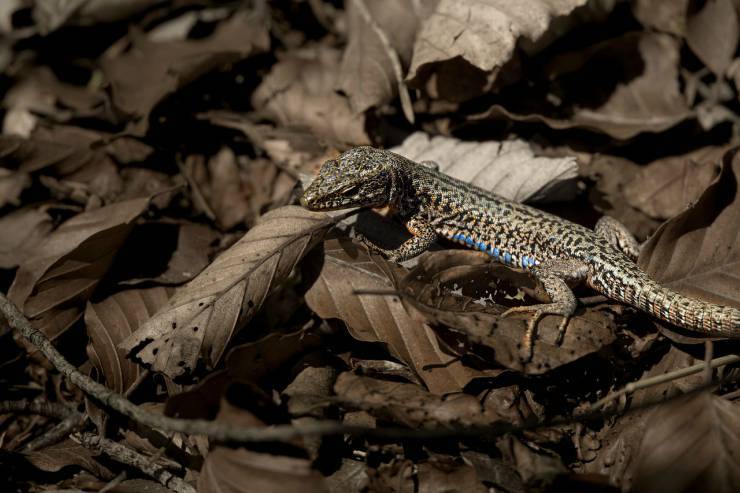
[(618, 235), (554, 275)]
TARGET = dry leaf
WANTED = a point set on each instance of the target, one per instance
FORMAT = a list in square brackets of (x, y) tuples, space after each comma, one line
[(409, 405), (150, 71), (668, 17), (667, 186), (508, 169), (465, 291), (380, 318), (381, 36), (483, 33), (53, 284), (651, 101), (690, 444), (299, 91), (111, 321), (53, 14), (200, 318), (698, 252), (712, 33), (227, 190), (235, 471), (63, 454), (20, 232)]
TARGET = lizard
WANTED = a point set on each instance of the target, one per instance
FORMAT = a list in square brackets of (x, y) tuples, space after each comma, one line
[(556, 252)]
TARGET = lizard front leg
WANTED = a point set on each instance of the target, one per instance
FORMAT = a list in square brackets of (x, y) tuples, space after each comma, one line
[(424, 236), (554, 275)]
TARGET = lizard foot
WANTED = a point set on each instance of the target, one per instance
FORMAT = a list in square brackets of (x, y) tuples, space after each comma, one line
[(526, 349)]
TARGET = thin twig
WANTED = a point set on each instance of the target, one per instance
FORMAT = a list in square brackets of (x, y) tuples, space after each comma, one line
[(126, 455), (70, 420), (666, 377)]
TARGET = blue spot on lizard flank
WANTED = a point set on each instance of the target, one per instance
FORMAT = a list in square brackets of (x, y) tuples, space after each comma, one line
[(496, 253), (507, 257), (525, 261), (482, 246), (469, 240)]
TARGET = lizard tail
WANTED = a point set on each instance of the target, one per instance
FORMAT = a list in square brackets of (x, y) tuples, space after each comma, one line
[(670, 306)]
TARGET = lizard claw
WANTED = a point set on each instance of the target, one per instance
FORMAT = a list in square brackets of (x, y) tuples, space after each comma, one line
[(526, 349)]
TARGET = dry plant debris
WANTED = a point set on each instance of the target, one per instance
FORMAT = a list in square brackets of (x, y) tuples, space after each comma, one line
[(171, 320)]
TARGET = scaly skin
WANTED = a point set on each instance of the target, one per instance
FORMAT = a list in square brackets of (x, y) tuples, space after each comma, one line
[(554, 250)]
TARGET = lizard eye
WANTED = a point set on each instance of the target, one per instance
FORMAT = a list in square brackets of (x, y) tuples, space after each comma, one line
[(351, 190)]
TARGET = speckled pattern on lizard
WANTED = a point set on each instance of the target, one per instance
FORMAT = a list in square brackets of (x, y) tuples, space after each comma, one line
[(555, 251)]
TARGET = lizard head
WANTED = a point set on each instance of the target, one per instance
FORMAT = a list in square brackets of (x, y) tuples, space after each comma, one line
[(360, 177)]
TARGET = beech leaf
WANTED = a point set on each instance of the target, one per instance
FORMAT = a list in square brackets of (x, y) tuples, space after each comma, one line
[(201, 316)]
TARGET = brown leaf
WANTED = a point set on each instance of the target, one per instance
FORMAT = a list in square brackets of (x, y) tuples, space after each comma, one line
[(381, 36), (377, 318), (698, 251), (231, 471), (12, 184), (67, 453), (53, 284), (690, 444), (509, 169), (299, 91), (227, 189), (651, 101), (465, 291), (712, 34), (412, 406), (484, 34), (200, 318), (54, 14), (667, 186), (142, 77), (112, 320), (254, 361), (668, 17), (20, 232)]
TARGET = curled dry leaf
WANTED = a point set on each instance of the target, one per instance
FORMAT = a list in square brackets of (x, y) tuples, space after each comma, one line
[(299, 91), (52, 15), (236, 471), (651, 101), (509, 169), (381, 36), (20, 232), (689, 442), (667, 186), (410, 405), (381, 318), (698, 252), (142, 77), (58, 277), (200, 318), (111, 321), (483, 33), (454, 288)]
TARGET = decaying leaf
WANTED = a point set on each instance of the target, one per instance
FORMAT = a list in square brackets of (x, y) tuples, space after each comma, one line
[(299, 91), (111, 321), (690, 444), (650, 101), (142, 77), (200, 318), (381, 37), (698, 251), (509, 169), (20, 232), (669, 17), (381, 318), (712, 33), (63, 454), (409, 405), (464, 291), (483, 33), (667, 186), (58, 277), (234, 471)]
